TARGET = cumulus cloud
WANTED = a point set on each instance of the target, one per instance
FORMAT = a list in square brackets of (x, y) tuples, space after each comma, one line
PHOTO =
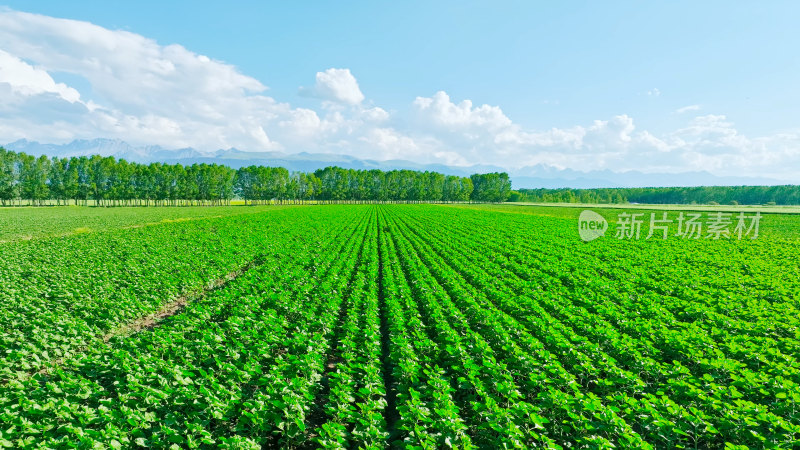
[(391, 143), (711, 142), (375, 114), (144, 92), (336, 85), (654, 92), (26, 80), (440, 111)]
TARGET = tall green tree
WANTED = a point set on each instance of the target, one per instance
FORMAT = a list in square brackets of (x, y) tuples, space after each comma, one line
[(491, 187), (33, 179), (9, 176)]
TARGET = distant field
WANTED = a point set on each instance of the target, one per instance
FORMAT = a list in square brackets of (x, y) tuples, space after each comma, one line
[(776, 221), (405, 326), (37, 222), (749, 208)]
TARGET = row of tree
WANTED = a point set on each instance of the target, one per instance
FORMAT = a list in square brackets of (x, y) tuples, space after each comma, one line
[(109, 181), (722, 195)]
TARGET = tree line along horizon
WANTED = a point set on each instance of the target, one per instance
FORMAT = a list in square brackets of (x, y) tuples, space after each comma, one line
[(111, 182), (699, 195)]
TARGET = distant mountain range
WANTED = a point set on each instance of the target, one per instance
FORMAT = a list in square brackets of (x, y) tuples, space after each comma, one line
[(538, 176)]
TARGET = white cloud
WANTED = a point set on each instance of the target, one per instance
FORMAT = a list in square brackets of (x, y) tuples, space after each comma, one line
[(612, 134), (391, 143), (146, 93), (687, 109), (486, 135), (375, 114), (336, 85), (143, 92), (654, 92), (439, 110), (301, 121), (712, 133), (27, 80)]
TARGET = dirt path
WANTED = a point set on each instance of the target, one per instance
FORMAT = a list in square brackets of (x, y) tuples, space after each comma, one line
[(152, 320)]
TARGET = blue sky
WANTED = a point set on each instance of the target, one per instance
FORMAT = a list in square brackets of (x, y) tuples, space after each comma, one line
[(703, 84)]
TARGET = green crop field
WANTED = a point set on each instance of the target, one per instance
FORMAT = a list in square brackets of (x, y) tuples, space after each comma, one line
[(34, 223), (403, 326)]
